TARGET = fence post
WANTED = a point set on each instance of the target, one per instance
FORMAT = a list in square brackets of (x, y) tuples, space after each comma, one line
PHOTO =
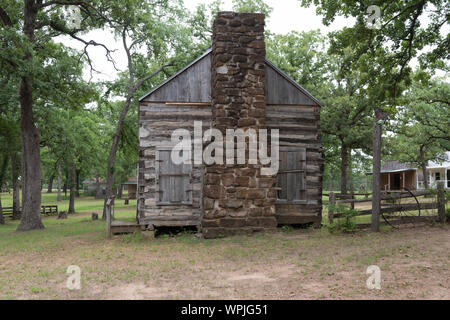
[(108, 218), (331, 207), (441, 202)]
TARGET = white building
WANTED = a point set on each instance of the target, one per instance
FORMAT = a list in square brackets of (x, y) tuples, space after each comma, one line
[(439, 172)]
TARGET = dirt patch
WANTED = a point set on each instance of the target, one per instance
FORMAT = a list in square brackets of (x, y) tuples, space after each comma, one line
[(257, 277), (298, 264), (136, 291)]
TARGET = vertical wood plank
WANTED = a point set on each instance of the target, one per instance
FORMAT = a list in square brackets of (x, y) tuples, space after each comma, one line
[(291, 176)]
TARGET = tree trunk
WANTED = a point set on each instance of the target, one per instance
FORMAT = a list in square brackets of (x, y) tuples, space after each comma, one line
[(423, 165), (344, 167), (50, 184), (2, 219), (31, 157), (78, 183), (112, 154), (350, 172), (4, 165), (119, 191), (16, 187), (66, 182), (376, 191), (59, 183), (72, 188), (98, 191), (350, 177)]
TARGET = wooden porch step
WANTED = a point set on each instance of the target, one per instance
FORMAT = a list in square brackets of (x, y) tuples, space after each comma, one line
[(118, 227)]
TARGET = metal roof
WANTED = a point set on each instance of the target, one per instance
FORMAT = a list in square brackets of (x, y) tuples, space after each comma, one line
[(444, 164), (392, 166)]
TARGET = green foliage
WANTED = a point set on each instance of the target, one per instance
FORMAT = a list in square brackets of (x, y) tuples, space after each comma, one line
[(347, 222), (302, 55), (252, 6), (384, 53), (422, 123)]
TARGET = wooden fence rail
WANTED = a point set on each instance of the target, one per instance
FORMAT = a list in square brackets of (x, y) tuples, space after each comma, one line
[(390, 196), (391, 208), (394, 208)]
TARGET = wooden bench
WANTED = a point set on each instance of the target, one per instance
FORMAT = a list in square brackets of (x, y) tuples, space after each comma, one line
[(49, 210), (45, 210), (7, 211)]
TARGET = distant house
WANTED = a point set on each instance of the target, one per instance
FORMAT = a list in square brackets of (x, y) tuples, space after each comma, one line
[(396, 175), (439, 172), (90, 185), (399, 176)]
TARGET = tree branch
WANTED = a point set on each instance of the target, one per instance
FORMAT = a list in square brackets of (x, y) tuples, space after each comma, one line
[(5, 18), (142, 80)]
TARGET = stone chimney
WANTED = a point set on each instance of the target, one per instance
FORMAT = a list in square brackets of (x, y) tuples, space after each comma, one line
[(237, 198)]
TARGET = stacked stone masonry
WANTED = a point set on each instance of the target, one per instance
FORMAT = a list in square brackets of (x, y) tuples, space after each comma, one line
[(237, 198)]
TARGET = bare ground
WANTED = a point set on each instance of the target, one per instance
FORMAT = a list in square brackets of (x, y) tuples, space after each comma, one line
[(297, 264)]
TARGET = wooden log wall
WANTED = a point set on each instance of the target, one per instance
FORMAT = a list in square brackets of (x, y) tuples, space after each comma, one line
[(157, 121), (299, 126)]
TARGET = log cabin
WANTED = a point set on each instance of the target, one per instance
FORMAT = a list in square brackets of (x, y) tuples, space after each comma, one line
[(232, 85)]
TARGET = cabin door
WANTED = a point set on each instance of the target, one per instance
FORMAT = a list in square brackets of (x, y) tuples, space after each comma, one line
[(397, 181), (173, 181), (291, 176)]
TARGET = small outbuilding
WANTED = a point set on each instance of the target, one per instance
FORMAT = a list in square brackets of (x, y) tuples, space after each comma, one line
[(396, 175), (231, 86), (131, 187)]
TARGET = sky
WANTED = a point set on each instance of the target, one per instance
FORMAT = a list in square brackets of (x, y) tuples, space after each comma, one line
[(287, 15)]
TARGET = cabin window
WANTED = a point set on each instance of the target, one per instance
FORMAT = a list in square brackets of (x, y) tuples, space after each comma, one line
[(291, 177), (437, 176), (173, 181)]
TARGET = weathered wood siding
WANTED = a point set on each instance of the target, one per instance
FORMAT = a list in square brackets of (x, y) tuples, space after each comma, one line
[(156, 124), (193, 84), (280, 90), (190, 85), (299, 127)]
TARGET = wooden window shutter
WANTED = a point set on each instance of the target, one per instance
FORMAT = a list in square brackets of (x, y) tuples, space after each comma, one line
[(291, 177), (173, 181)]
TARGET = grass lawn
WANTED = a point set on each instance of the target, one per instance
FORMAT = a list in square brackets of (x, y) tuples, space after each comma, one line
[(287, 264)]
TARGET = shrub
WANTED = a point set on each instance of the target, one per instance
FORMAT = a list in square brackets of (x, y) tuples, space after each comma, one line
[(347, 222)]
